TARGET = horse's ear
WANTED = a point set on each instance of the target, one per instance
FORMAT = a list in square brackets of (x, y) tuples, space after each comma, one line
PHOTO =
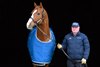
[(35, 4), (41, 4)]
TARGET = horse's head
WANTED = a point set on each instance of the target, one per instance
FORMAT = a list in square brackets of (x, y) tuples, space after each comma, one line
[(37, 16)]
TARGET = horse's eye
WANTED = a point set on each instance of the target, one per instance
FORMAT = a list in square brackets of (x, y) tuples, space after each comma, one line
[(38, 13)]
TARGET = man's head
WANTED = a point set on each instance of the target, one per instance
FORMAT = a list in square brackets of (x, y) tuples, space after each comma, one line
[(75, 24), (75, 27)]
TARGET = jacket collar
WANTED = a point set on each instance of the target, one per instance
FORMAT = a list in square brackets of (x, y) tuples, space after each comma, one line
[(76, 34)]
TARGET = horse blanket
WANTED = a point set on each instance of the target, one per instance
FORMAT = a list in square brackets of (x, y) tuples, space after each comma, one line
[(41, 52)]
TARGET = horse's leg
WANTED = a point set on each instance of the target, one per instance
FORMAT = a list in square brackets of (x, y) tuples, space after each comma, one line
[(47, 65), (34, 66)]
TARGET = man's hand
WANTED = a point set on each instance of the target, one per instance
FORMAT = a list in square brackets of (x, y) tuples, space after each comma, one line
[(59, 46), (83, 61)]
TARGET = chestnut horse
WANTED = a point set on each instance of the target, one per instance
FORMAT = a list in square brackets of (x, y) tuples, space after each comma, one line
[(41, 40)]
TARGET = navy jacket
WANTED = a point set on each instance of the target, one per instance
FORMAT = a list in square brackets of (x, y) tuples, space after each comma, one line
[(78, 46)]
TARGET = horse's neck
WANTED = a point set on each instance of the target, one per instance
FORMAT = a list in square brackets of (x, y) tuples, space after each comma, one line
[(43, 32)]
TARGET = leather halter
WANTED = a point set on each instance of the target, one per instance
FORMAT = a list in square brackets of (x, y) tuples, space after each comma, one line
[(36, 22)]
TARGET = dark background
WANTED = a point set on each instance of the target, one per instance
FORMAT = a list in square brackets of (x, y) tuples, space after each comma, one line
[(14, 15)]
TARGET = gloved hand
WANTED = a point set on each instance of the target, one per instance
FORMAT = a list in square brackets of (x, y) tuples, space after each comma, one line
[(59, 46), (83, 61)]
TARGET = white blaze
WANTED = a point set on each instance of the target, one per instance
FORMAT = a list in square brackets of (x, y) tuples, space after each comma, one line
[(30, 20), (33, 13)]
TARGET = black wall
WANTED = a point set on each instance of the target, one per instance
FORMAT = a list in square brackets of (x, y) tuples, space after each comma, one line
[(14, 15)]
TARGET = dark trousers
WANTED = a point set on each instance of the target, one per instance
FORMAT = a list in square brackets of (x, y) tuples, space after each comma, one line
[(71, 64)]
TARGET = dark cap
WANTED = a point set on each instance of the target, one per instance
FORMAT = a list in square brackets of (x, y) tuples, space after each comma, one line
[(75, 24)]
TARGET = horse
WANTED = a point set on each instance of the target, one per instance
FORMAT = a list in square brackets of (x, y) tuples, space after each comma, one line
[(41, 39)]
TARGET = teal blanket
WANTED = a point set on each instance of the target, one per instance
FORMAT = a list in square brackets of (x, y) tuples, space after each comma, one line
[(41, 52)]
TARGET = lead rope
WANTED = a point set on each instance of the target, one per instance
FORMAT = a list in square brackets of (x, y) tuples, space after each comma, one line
[(85, 65), (43, 32), (41, 29)]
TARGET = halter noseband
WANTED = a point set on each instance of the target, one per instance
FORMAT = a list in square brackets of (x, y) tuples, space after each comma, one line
[(36, 22), (41, 19)]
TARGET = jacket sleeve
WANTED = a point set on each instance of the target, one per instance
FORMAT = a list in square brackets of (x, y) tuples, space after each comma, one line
[(86, 47), (64, 43)]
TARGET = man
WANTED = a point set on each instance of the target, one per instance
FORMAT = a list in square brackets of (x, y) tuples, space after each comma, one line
[(77, 46)]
